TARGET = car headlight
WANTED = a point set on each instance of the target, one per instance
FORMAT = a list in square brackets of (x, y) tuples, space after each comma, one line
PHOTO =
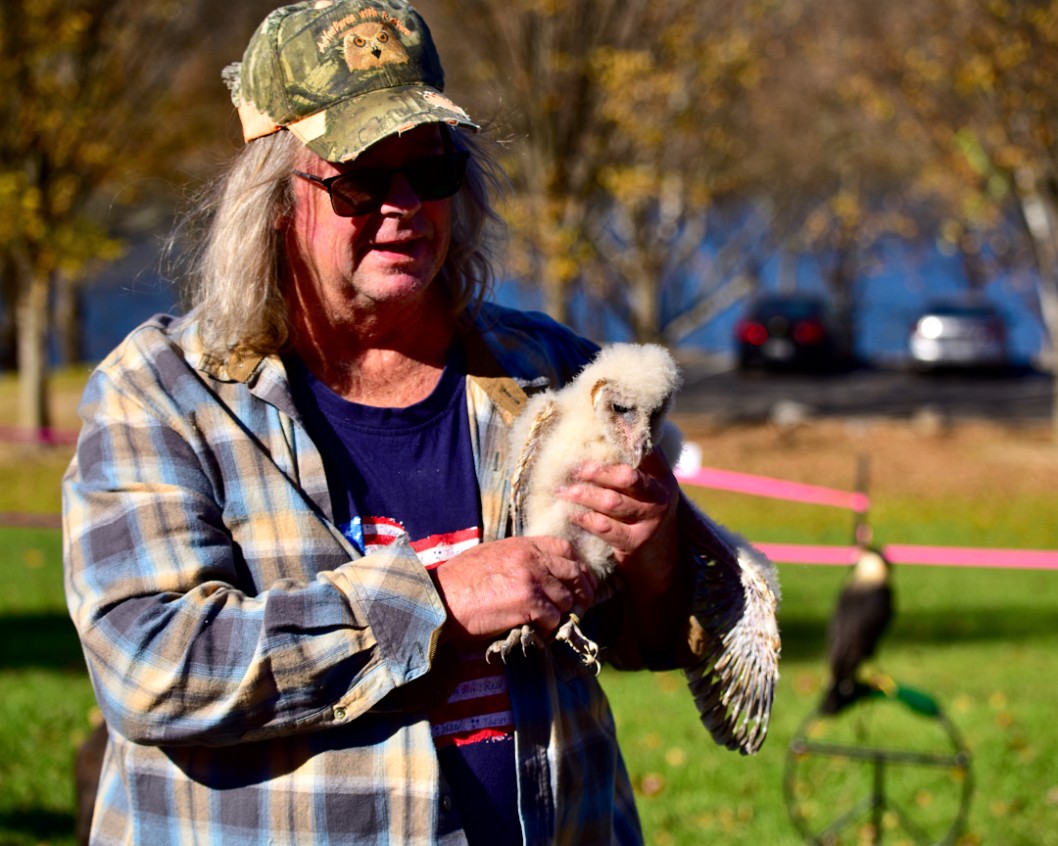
[(930, 327)]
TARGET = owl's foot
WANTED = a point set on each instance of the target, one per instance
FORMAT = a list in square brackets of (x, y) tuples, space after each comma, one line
[(588, 650), (525, 636)]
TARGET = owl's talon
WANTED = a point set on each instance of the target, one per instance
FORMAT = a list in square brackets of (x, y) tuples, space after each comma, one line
[(525, 636), (588, 650)]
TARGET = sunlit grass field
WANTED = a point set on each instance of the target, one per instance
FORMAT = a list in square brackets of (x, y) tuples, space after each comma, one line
[(983, 643)]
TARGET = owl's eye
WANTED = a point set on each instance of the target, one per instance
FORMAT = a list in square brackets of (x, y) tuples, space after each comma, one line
[(383, 37), (621, 409), (359, 41)]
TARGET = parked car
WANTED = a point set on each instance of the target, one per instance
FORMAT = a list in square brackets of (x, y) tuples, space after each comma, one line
[(792, 331), (962, 335)]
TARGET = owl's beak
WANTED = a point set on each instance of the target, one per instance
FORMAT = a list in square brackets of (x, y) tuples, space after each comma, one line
[(639, 447)]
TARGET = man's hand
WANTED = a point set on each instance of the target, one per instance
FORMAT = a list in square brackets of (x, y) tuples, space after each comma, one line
[(495, 587), (633, 510)]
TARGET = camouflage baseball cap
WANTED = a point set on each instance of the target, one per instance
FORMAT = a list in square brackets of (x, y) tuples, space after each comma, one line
[(341, 75)]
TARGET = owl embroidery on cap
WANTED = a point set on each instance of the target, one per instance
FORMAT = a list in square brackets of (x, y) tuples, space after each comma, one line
[(372, 44)]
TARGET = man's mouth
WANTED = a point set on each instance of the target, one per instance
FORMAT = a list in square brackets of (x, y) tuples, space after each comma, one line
[(402, 245)]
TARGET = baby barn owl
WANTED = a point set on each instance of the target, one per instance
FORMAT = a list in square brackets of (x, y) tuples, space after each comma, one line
[(611, 413)]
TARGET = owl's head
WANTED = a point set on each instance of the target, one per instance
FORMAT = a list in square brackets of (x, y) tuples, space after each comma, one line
[(371, 45), (631, 388)]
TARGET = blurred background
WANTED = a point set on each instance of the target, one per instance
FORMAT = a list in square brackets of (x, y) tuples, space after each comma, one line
[(669, 162), (842, 216)]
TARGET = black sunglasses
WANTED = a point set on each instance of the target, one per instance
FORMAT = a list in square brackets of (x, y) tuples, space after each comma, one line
[(362, 191)]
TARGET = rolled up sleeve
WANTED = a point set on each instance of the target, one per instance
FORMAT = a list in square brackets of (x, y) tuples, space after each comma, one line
[(214, 603)]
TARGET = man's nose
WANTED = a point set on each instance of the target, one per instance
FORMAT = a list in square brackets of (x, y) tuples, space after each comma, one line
[(401, 197)]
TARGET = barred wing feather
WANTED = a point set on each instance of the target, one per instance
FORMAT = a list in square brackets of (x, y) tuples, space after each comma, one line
[(735, 634)]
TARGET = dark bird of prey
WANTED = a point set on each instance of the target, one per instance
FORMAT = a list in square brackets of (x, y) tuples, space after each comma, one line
[(613, 412), (862, 614)]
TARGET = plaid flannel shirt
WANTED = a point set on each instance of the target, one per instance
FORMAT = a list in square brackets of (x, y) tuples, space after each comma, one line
[(262, 681)]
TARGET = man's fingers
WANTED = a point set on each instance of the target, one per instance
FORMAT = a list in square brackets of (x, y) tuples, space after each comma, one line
[(620, 477), (557, 582), (494, 587), (566, 582), (632, 506)]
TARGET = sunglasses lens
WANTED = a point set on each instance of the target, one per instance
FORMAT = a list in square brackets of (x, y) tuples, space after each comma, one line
[(431, 178), (438, 176), (355, 194)]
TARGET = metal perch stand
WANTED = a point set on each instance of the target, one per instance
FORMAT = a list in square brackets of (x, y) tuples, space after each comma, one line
[(876, 758), (821, 778)]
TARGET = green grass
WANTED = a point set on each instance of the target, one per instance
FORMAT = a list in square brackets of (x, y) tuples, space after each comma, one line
[(982, 642), (30, 482), (1004, 518), (45, 696)]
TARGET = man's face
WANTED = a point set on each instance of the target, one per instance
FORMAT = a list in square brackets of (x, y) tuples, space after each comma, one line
[(356, 266)]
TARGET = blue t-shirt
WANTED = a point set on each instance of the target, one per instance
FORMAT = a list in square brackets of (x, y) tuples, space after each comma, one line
[(394, 470)]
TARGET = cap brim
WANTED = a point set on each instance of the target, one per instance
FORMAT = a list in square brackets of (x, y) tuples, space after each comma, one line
[(343, 131)]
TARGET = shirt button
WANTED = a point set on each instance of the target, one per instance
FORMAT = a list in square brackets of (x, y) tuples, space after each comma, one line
[(446, 803), (339, 713)]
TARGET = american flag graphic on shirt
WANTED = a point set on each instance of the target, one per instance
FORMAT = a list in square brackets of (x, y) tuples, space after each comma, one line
[(480, 706)]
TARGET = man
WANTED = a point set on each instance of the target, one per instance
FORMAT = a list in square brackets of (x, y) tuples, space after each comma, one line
[(258, 486)]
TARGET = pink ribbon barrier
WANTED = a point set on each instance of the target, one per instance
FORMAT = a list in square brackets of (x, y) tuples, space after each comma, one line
[(793, 553), (46, 436), (938, 556), (727, 480), (800, 553), (958, 556), (706, 477)]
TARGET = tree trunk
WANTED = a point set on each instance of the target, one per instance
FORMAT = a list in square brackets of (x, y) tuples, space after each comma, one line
[(646, 317), (32, 315), (69, 321), (1048, 292), (556, 299), (1040, 213), (9, 279)]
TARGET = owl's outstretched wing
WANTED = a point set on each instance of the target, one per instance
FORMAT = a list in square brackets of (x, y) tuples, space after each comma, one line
[(735, 635), (529, 436)]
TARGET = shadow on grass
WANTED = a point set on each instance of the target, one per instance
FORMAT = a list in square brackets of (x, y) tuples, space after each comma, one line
[(40, 640), (805, 637), (50, 641), (35, 825), (978, 625)]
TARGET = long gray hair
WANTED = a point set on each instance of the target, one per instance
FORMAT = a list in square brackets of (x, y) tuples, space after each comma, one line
[(234, 280)]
